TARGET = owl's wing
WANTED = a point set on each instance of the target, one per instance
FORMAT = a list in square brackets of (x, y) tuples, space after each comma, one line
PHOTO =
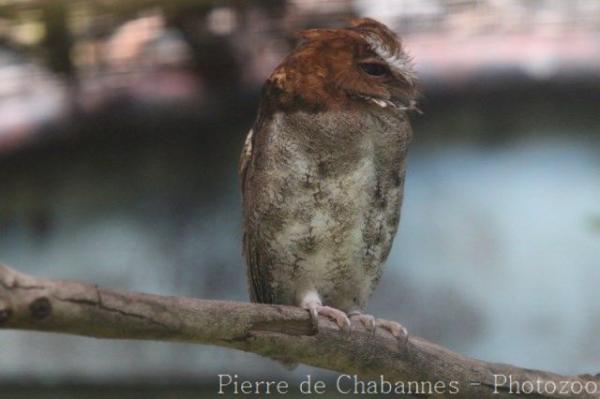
[(257, 270)]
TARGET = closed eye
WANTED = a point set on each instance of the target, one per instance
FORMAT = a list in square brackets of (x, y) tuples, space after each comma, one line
[(374, 68)]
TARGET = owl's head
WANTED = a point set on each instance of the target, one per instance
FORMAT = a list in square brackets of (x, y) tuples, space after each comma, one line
[(362, 65)]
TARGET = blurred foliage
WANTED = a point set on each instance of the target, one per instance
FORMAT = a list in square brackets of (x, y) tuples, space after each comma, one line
[(50, 29)]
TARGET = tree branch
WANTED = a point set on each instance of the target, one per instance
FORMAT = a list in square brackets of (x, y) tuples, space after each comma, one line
[(30, 303)]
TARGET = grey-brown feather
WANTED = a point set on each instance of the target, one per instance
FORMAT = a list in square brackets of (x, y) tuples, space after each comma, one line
[(322, 193)]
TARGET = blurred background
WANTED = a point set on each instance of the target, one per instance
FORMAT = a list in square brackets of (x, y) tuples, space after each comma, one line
[(121, 123)]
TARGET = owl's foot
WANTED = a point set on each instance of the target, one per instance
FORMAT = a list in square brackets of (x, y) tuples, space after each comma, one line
[(394, 328), (312, 303), (368, 321), (371, 323)]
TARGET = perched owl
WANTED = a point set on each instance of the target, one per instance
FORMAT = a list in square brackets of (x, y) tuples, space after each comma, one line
[(322, 172)]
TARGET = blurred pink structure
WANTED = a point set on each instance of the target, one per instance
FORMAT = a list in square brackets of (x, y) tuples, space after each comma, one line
[(146, 60)]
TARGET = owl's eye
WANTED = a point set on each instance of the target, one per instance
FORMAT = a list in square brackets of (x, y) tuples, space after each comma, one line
[(374, 68)]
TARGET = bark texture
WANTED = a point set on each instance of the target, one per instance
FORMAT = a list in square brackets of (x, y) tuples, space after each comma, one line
[(31, 303)]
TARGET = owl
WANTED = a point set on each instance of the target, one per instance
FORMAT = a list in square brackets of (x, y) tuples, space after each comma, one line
[(322, 172)]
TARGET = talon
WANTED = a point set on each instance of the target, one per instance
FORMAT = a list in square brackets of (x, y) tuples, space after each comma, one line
[(366, 320), (340, 318), (394, 328), (314, 317)]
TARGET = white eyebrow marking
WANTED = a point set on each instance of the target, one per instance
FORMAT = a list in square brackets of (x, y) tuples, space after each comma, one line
[(395, 60)]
